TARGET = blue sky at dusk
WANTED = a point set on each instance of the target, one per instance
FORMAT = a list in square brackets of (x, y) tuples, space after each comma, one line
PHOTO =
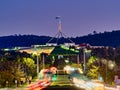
[(79, 17)]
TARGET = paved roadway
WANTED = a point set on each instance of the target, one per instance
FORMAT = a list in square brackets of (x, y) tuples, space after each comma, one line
[(62, 83), (63, 88)]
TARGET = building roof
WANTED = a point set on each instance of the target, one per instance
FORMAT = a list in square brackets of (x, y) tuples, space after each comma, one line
[(61, 50)]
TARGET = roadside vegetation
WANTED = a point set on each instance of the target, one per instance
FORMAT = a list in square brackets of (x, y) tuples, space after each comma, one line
[(18, 68)]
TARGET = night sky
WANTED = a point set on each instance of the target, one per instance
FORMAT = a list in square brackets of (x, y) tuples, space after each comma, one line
[(79, 17)]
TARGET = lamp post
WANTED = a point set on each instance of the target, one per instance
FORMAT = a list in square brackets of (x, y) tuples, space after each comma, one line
[(111, 64), (78, 60), (36, 53), (106, 71), (43, 61), (107, 56), (84, 60), (37, 64), (85, 52), (114, 49), (104, 61)]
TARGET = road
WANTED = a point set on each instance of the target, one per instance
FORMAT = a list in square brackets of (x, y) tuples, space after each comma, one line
[(63, 88), (61, 80), (62, 83)]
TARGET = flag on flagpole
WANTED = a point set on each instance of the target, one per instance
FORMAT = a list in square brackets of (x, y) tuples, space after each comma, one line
[(58, 17)]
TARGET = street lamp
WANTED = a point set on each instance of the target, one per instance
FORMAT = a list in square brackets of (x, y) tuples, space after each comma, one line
[(37, 64), (106, 71), (111, 64), (84, 57), (84, 60), (36, 53), (43, 60), (105, 62), (78, 60)]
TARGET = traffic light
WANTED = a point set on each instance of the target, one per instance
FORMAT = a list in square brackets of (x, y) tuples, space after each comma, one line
[(54, 78)]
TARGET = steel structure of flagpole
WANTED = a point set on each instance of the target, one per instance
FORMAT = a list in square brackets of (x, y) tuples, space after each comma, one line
[(60, 33)]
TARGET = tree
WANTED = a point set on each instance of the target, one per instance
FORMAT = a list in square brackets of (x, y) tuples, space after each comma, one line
[(29, 62), (6, 76), (10, 71), (94, 32), (29, 66), (92, 68), (17, 72), (93, 72)]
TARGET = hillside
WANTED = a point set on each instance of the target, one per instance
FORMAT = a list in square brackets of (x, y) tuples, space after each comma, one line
[(101, 39)]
